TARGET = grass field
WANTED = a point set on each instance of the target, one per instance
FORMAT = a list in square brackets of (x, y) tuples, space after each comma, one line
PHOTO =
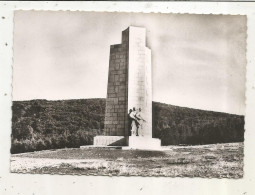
[(214, 161)]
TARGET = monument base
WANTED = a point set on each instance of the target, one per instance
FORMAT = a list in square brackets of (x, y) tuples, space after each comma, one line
[(138, 142), (110, 141), (133, 142)]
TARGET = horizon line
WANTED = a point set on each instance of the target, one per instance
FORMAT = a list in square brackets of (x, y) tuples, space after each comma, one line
[(106, 98)]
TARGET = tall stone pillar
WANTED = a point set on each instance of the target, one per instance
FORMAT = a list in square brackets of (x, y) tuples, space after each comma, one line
[(139, 77), (129, 85)]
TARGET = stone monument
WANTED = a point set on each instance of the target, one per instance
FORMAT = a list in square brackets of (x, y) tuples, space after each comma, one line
[(129, 86)]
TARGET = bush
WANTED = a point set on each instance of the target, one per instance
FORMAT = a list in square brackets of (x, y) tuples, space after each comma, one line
[(48, 143), (17, 147), (30, 145), (40, 145)]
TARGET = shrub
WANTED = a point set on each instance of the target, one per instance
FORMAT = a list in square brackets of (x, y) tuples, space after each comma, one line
[(40, 145), (17, 147)]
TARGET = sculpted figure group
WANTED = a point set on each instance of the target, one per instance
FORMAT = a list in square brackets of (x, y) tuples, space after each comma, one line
[(136, 122)]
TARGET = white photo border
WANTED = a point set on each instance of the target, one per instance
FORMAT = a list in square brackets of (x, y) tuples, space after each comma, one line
[(11, 183)]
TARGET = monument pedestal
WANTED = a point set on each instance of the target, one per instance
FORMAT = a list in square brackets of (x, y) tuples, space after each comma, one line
[(110, 141), (139, 142), (133, 142)]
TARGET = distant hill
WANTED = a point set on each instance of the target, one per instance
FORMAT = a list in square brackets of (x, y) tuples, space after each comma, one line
[(179, 125), (43, 124)]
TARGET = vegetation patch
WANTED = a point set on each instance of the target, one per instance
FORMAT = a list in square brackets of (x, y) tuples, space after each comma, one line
[(42, 124)]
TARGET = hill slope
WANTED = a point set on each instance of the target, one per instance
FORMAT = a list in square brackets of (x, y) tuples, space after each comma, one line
[(179, 125), (42, 124)]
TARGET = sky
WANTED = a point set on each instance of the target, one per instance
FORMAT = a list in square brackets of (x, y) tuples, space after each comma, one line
[(198, 61)]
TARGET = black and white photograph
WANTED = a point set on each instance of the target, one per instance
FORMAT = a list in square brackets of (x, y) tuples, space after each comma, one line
[(128, 94)]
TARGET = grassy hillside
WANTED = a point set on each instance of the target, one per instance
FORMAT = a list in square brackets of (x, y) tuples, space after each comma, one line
[(42, 124)]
